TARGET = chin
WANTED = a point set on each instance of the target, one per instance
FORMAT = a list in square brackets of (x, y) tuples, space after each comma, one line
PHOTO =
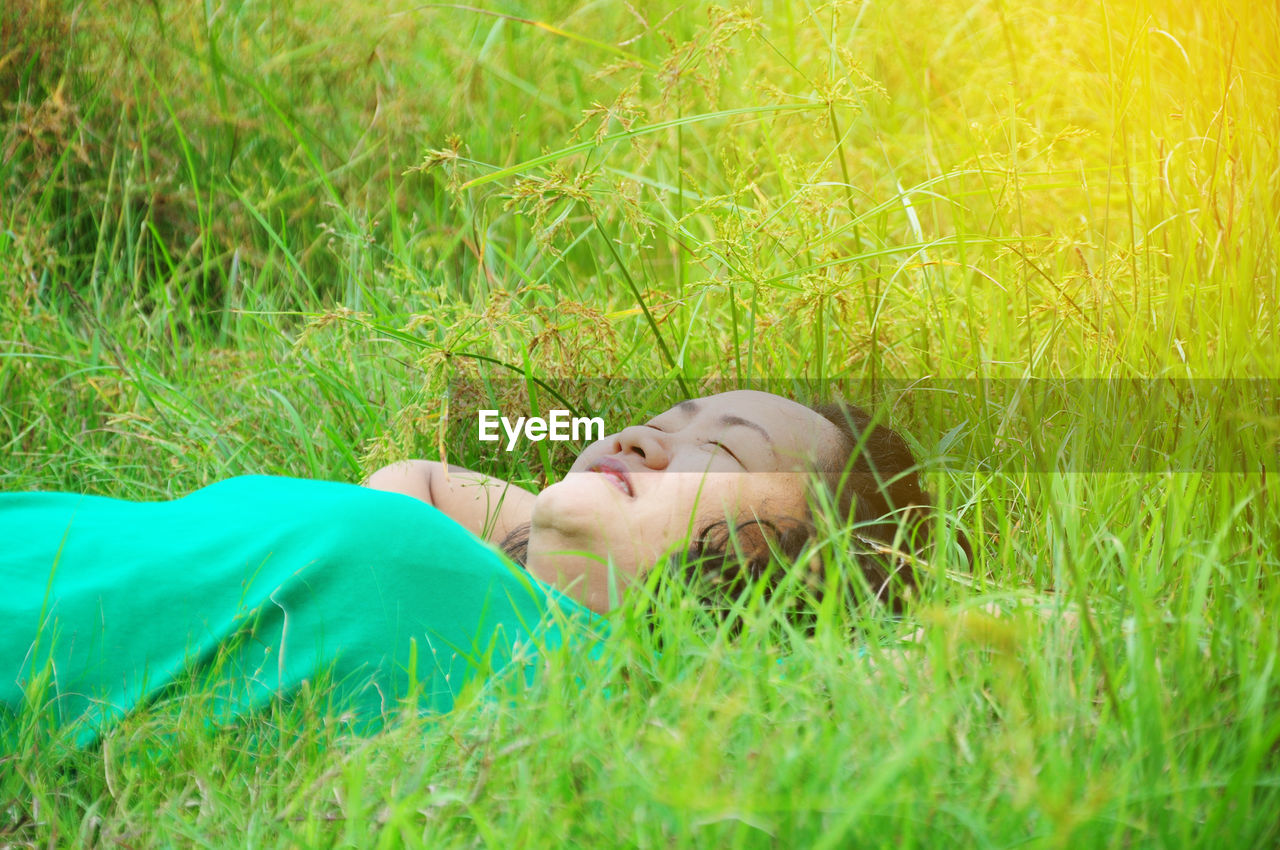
[(585, 513), (571, 506)]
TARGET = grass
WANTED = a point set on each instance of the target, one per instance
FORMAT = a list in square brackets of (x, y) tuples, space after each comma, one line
[(292, 239)]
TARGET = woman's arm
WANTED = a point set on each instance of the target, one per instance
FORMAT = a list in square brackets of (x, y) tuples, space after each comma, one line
[(487, 507)]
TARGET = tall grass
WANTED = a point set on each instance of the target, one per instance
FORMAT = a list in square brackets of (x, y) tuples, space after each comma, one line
[(240, 238)]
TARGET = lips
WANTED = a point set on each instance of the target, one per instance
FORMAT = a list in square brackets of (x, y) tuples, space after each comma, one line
[(615, 473)]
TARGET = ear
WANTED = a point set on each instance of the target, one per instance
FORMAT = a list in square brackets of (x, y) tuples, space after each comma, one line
[(750, 542)]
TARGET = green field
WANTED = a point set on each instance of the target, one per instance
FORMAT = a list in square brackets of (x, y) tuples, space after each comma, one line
[(306, 238)]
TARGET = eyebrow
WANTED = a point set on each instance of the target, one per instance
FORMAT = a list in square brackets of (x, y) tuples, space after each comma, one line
[(690, 408), (729, 420)]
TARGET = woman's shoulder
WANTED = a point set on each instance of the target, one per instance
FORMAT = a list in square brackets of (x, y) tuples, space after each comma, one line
[(395, 536), (328, 509)]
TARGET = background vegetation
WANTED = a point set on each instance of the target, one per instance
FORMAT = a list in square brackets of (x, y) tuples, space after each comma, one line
[(305, 238)]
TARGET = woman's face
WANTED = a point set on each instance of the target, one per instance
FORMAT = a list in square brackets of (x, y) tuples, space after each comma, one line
[(636, 496)]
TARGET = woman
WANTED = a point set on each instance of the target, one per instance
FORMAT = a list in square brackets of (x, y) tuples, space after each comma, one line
[(260, 587), (702, 472)]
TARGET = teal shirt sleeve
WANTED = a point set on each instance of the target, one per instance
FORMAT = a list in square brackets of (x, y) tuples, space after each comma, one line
[(257, 585)]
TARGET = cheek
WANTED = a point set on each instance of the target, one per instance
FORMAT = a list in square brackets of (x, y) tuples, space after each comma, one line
[(745, 498), (721, 497)]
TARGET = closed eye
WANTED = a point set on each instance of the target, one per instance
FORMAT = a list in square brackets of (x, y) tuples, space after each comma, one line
[(726, 450)]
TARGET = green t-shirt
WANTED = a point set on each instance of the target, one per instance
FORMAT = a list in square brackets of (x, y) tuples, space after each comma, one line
[(255, 586)]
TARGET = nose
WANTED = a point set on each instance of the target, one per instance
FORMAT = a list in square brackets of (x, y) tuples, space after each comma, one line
[(647, 444)]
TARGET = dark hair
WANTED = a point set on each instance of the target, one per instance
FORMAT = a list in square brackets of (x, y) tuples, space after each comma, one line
[(872, 482)]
